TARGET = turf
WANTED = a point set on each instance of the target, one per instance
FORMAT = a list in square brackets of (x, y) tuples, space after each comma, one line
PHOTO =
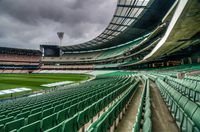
[(33, 81)]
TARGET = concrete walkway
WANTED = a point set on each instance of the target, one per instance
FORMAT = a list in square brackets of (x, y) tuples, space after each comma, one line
[(128, 120), (162, 121)]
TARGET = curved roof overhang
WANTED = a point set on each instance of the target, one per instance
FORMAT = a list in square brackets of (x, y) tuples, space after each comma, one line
[(132, 19), (183, 30)]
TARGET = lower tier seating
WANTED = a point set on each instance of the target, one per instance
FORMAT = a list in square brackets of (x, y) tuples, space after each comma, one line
[(185, 112), (143, 117), (64, 108)]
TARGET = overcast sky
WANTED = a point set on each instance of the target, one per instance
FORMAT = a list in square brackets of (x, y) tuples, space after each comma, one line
[(29, 23)]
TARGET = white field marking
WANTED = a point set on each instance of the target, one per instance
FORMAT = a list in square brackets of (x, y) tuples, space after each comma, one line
[(15, 90), (33, 95), (57, 84)]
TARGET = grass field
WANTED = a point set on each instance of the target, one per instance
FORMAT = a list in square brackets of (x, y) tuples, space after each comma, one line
[(33, 81)]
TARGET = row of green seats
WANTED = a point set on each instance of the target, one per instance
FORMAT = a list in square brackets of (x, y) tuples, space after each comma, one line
[(144, 110), (190, 89), (120, 50), (185, 111), (9, 105), (53, 102), (192, 78), (74, 123), (71, 111), (108, 118)]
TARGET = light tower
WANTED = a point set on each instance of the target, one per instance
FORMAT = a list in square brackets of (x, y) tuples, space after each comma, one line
[(60, 36)]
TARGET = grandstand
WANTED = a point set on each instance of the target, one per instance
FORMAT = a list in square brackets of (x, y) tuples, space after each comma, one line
[(13, 60), (144, 75)]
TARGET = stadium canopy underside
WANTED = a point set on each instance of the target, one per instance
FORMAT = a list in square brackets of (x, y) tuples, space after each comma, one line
[(132, 19)]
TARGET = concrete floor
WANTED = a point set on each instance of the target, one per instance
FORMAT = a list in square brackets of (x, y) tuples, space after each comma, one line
[(162, 120), (128, 120)]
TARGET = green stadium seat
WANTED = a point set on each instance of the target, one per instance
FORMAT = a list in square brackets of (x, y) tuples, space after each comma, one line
[(136, 127), (15, 130), (47, 112), (34, 117), (147, 113), (16, 124), (147, 126), (183, 101), (2, 117), (66, 104), (36, 110), (2, 128), (58, 108), (23, 115), (5, 120), (190, 108), (70, 125), (57, 128), (34, 127), (81, 105), (83, 117), (72, 110), (14, 113), (62, 115), (48, 122), (196, 119), (47, 106)]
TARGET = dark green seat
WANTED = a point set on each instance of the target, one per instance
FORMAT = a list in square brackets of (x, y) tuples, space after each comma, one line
[(14, 113), (81, 106), (66, 104), (22, 115), (62, 115), (57, 128), (48, 122), (70, 125), (2, 128), (136, 127), (5, 120), (72, 110), (47, 106), (58, 108), (2, 117), (36, 110), (83, 118), (16, 124), (34, 127), (47, 112), (34, 117)]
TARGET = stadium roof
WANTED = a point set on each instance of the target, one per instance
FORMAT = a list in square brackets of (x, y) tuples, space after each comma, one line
[(132, 19), (19, 51)]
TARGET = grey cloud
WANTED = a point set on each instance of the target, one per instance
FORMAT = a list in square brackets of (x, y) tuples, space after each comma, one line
[(28, 23)]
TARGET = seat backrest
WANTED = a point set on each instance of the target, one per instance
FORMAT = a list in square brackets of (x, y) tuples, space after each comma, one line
[(147, 126), (57, 128), (183, 101), (5, 120), (70, 125), (47, 112), (34, 127), (48, 122), (34, 117), (190, 108), (196, 119), (16, 124)]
